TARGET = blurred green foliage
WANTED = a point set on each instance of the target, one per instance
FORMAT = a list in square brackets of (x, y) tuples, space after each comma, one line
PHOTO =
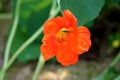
[(1, 6), (116, 1), (114, 40), (118, 77), (112, 74)]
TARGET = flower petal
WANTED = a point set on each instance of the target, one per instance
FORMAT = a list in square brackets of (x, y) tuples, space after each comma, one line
[(49, 47), (63, 39), (83, 44), (70, 17), (73, 41), (62, 22), (55, 24), (83, 30), (65, 56), (84, 41), (51, 27)]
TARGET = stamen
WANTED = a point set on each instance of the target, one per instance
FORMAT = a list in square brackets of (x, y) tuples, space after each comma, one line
[(62, 34), (64, 30)]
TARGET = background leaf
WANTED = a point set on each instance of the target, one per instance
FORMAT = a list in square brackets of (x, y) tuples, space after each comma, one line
[(116, 1), (30, 53), (84, 10)]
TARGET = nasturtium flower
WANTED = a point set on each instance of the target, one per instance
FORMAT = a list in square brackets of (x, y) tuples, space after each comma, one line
[(63, 39)]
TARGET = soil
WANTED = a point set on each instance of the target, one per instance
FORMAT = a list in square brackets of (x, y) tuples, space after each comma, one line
[(83, 70)]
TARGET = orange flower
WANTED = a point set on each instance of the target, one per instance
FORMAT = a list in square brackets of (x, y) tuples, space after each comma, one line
[(64, 39)]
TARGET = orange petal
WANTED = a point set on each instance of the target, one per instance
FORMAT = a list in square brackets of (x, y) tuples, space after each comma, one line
[(51, 27), (70, 17), (84, 41), (62, 22), (83, 30), (49, 47), (55, 24), (65, 56), (83, 44), (73, 41)]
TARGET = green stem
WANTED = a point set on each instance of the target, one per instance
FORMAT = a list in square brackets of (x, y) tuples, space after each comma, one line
[(10, 39), (27, 43), (111, 66), (118, 77), (2, 74), (24, 45), (41, 61), (115, 61), (39, 67), (53, 8)]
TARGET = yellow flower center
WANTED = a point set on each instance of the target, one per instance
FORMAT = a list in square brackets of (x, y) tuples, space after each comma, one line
[(62, 34)]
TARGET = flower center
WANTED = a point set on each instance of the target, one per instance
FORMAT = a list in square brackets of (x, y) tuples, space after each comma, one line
[(62, 34)]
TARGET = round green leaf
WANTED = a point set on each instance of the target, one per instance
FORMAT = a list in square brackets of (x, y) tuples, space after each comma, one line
[(32, 52), (84, 10)]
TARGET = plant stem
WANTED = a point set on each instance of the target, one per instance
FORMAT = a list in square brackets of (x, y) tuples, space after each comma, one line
[(10, 39), (28, 42), (115, 61), (39, 67), (53, 8), (25, 44), (111, 66), (41, 61), (12, 34), (118, 77)]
